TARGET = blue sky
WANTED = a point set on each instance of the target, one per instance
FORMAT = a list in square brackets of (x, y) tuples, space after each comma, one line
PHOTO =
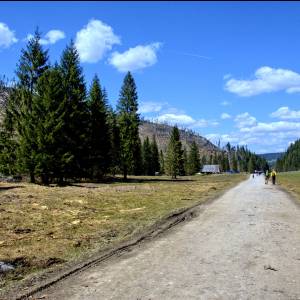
[(227, 70)]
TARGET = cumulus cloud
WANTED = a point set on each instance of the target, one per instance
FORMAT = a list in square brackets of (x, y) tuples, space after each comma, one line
[(225, 116), (261, 137), (7, 36), (149, 107), (52, 37), (266, 80), (272, 127), (184, 120), (137, 58), (94, 40), (285, 113), (176, 119), (245, 119)]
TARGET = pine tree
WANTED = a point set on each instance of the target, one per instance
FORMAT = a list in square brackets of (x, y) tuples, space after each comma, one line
[(49, 110), (32, 64), (234, 162), (8, 144), (99, 138), (161, 162), (128, 122), (147, 157), (183, 170), (193, 159), (251, 165), (76, 116), (290, 160), (114, 132), (174, 154), (155, 166)]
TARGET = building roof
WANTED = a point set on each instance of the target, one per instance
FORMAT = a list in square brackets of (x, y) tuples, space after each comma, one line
[(211, 169)]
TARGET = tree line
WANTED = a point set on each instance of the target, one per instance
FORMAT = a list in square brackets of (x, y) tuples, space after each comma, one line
[(290, 160), (54, 128)]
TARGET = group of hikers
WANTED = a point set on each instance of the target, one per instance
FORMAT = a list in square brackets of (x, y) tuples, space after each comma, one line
[(271, 174)]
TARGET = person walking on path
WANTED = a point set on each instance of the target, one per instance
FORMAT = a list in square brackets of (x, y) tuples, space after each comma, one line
[(267, 176), (273, 176)]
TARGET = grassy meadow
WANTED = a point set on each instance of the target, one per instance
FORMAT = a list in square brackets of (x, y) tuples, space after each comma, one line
[(290, 181), (43, 227)]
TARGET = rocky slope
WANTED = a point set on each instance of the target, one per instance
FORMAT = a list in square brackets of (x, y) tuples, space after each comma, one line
[(162, 133)]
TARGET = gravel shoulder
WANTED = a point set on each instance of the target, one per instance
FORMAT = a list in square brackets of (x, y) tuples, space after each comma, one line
[(245, 245)]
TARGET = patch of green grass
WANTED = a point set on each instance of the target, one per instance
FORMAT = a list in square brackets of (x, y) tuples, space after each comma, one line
[(291, 182), (45, 226)]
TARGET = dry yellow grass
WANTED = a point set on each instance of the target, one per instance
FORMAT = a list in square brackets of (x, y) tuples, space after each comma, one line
[(43, 226), (291, 182)]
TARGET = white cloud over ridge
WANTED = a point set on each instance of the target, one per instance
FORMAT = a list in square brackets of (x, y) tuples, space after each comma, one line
[(262, 136), (137, 58), (7, 36), (266, 80), (285, 113), (184, 120), (94, 40), (150, 107)]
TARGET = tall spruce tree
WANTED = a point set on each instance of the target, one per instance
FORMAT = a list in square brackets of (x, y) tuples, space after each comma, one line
[(155, 156), (8, 144), (76, 116), (32, 64), (128, 122), (161, 162), (184, 169), (49, 110), (99, 135), (174, 153), (234, 162), (147, 157), (193, 159), (114, 133)]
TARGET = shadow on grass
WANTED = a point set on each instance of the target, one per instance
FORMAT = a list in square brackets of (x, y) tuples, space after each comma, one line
[(128, 180), (5, 188)]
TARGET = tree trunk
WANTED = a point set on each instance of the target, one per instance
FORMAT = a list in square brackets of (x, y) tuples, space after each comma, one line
[(45, 179), (32, 178), (125, 173)]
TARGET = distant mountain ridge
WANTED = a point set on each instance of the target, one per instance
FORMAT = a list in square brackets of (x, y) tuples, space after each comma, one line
[(162, 133), (271, 158)]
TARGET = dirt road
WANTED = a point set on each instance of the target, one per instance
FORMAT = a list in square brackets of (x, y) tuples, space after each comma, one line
[(245, 245)]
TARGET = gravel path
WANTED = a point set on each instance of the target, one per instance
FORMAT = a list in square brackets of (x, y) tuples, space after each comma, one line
[(245, 245)]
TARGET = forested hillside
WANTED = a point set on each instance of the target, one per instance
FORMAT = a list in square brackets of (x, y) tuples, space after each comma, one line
[(290, 161)]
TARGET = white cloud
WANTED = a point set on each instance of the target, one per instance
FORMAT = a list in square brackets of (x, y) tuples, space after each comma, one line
[(204, 123), (184, 120), (52, 37), (139, 57), (94, 40), (260, 136), (176, 119), (225, 103), (285, 113), (245, 119), (272, 127), (225, 116), (266, 80), (149, 107), (7, 36)]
